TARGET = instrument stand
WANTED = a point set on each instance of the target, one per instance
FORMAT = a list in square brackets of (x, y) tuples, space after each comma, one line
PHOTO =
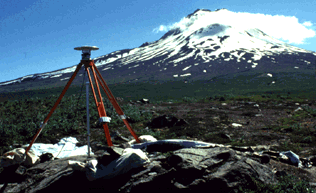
[(90, 66)]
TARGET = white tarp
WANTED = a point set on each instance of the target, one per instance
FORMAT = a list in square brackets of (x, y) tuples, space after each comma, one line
[(67, 146)]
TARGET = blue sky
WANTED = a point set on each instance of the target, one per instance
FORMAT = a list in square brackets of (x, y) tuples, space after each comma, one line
[(39, 36)]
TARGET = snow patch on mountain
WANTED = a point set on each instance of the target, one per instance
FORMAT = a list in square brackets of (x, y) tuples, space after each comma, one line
[(195, 39)]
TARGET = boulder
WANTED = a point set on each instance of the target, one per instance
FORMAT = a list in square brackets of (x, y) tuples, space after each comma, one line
[(194, 169), (166, 121)]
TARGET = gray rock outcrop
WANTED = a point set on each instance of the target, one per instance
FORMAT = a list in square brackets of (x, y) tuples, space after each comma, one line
[(181, 170), (193, 169)]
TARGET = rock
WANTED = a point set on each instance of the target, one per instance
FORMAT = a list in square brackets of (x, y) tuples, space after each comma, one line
[(166, 121), (235, 125), (313, 185), (124, 145), (43, 177), (129, 159), (119, 99), (242, 148), (312, 159), (174, 160), (99, 152), (17, 145), (130, 120), (111, 154), (132, 102), (191, 166), (181, 122), (306, 162), (195, 169), (77, 165), (225, 136), (46, 157), (17, 156), (222, 99), (265, 159), (117, 136), (99, 146), (259, 147), (144, 101), (10, 174), (249, 103), (280, 173), (147, 111)]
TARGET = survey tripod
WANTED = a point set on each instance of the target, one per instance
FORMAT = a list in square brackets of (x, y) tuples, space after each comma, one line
[(89, 65)]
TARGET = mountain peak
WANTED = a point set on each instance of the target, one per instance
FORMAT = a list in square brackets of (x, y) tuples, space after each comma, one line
[(196, 12), (202, 45), (203, 11)]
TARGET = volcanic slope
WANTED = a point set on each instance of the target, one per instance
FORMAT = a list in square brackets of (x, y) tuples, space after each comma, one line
[(194, 50)]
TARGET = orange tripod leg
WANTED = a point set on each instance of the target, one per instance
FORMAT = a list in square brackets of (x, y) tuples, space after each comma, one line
[(54, 107), (114, 103), (100, 107)]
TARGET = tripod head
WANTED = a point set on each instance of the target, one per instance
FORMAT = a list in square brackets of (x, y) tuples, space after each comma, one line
[(86, 51)]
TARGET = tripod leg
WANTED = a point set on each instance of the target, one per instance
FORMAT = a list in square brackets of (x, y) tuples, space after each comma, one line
[(54, 107), (100, 107), (114, 103)]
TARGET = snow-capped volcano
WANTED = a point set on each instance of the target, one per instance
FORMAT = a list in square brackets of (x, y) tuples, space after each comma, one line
[(195, 49)]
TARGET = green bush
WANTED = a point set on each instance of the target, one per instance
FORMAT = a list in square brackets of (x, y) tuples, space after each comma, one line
[(21, 119)]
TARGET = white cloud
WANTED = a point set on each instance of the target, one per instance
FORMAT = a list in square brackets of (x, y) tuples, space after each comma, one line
[(161, 28), (307, 24), (286, 28)]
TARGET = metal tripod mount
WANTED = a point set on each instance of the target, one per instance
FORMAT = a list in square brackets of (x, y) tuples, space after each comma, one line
[(89, 65)]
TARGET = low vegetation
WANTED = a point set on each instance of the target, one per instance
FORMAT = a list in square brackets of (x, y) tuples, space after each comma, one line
[(21, 115)]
